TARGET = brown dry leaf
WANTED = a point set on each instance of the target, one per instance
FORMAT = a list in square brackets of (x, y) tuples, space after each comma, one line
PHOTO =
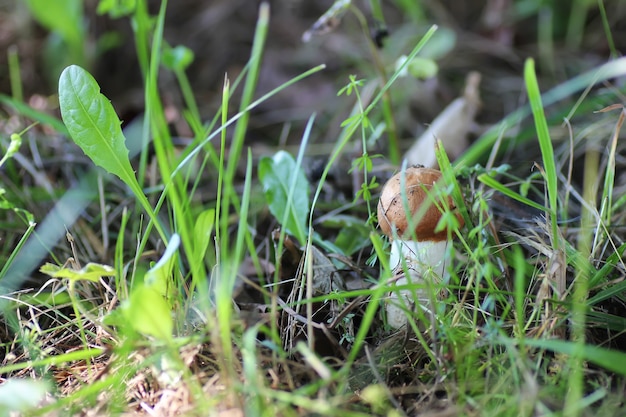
[(232, 412), (451, 127), (326, 279)]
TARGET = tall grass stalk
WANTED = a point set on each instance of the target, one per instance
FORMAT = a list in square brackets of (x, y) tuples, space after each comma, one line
[(229, 196), (581, 287), (142, 29), (607, 30), (229, 259), (545, 143), (15, 75), (576, 24)]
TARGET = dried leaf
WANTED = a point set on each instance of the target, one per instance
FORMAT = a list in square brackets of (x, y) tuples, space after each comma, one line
[(451, 127)]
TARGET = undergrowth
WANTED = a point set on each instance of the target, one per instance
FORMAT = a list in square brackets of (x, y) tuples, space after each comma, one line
[(203, 280)]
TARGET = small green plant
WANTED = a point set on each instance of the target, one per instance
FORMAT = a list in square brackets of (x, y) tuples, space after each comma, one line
[(363, 163), (286, 192), (14, 146), (6, 204), (96, 129)]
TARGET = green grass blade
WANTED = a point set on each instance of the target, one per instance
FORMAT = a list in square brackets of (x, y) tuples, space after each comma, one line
[(15, 76), (493, 183), (78, 355), (612, 360), (607, 29), (545, 143), (241, 126), (16, 250), (236, 117)]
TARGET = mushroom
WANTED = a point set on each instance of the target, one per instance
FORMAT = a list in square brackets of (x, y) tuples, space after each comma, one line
[(414, 237)]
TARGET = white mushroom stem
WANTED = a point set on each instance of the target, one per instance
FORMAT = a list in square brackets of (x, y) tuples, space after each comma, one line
[(410, 207), (425, 268)]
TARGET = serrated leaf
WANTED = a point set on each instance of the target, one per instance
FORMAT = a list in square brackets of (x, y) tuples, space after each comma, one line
[(282, 178), (93, 123), (148, 313), (90, 272)]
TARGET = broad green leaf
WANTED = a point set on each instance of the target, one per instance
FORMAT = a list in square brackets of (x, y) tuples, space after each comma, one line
[(352, 238), (177, 58), (90, 272), (202, 230), (353, 233), (116, 8), (147, 312), (159, 277), (286, 192), (61, 16), (92, 122), (96, 129)]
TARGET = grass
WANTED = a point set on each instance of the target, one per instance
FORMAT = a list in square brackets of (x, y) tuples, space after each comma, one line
[(159, 300)]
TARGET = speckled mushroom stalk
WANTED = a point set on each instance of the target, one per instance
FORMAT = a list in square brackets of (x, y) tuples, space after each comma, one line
[(423, 250)]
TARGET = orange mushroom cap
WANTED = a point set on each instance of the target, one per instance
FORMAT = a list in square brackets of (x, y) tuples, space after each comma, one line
[(419, 183)]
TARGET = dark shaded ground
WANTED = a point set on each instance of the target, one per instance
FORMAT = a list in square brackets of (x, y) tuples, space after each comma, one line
[(492, 37)]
